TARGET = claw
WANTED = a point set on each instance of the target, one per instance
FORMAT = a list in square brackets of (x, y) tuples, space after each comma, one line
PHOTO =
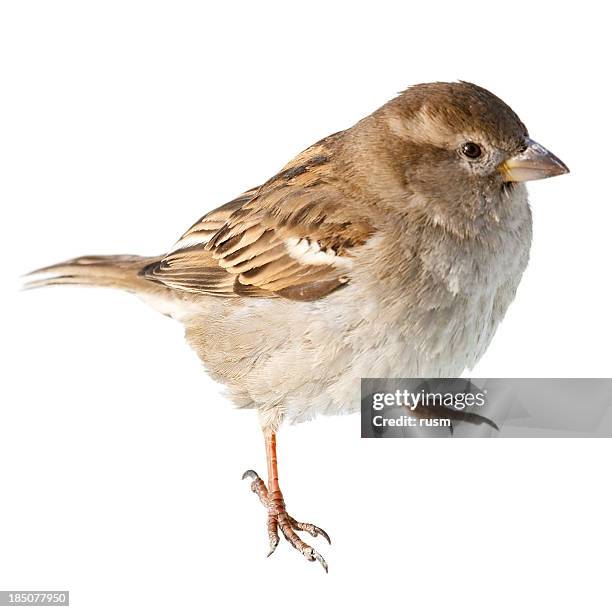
[(313, 530), (320, 559), (278, 518), (323, 533), (273, 546), (273, 534)]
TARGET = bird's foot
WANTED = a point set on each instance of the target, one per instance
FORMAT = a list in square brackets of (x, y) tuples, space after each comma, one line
[(279, 519)]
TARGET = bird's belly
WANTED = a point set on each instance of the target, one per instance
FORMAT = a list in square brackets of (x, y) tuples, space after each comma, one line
[(295, 360), (396, 343)]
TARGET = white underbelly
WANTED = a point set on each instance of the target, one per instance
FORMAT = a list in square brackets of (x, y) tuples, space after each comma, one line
[(432, 344)]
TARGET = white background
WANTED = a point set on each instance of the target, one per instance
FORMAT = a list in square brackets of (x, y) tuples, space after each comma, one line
[(120, 462)]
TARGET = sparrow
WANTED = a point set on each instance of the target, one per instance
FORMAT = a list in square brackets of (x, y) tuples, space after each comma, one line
[(390, 249)]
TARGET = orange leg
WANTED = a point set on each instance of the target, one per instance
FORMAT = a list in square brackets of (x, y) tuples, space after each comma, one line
[(278, 518)]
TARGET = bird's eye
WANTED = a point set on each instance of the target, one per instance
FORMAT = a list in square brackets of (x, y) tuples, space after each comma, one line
[(471, 150)]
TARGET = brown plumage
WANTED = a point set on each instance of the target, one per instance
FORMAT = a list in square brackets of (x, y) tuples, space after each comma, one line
[(253, 238), (391, 249)]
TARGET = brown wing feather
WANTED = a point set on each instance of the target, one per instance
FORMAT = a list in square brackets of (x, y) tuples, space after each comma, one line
[(291, 237)]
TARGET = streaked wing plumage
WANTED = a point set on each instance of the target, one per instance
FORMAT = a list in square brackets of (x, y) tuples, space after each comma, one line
[(289, 237)]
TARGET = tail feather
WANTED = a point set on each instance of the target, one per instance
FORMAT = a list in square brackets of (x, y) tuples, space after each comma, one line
[(118, 271)]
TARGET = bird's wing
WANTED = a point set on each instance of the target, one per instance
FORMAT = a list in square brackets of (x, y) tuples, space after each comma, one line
[(292, 237)]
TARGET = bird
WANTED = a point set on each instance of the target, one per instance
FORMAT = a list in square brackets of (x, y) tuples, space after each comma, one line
[(390, 249)]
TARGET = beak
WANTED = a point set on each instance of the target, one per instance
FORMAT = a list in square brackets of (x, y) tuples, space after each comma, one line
[(535, 162)]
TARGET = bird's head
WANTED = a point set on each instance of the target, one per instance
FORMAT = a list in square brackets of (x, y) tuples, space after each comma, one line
[(459, 148)]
